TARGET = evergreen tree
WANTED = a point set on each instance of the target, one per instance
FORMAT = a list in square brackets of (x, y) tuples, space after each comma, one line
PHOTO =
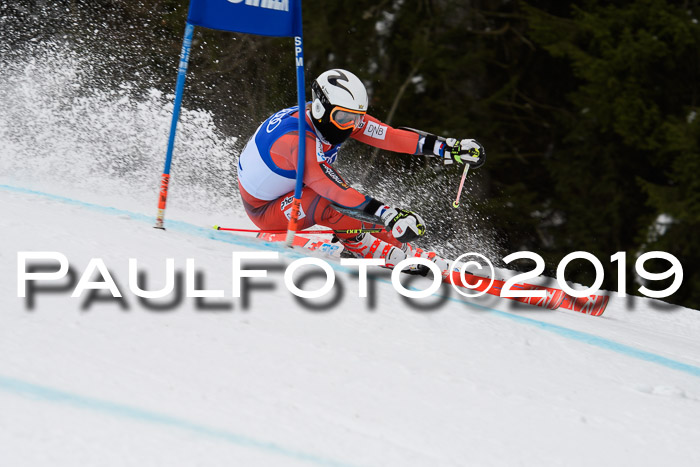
[(628, 156)]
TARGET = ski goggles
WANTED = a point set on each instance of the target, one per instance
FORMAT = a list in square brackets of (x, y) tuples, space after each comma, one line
[(346, 119)]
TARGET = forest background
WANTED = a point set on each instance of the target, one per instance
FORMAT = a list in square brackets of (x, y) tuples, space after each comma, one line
[(587, 109)]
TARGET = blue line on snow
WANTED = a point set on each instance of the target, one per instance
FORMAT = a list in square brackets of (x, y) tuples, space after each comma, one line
[(596, 341), (572, 334), (54, 395)]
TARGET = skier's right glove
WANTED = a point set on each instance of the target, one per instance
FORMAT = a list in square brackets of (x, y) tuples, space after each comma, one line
[(404, 225)]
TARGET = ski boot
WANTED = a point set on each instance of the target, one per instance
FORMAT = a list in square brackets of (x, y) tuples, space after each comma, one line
[(368, 246), (414, 252)]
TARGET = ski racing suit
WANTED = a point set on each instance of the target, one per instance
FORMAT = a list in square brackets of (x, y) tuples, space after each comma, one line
[(267, 178)]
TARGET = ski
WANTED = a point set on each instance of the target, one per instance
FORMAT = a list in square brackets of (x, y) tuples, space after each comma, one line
[(554, 299), (593, 305)]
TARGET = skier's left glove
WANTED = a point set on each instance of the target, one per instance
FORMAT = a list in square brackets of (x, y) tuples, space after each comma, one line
[(466, 151), (450, 150), (405, 225)]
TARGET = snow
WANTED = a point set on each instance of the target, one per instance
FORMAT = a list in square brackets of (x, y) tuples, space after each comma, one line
[(273, 382)]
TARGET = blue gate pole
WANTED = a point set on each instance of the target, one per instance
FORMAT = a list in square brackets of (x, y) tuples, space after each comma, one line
[(179, 89), (293, 226)]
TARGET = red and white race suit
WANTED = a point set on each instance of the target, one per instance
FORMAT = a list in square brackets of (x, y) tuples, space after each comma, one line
[(267, 174)]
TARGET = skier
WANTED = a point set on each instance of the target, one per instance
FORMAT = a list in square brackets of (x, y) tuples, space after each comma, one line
[(338, 111)]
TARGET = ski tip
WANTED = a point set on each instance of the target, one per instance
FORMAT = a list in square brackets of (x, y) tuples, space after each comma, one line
[(216, 227)]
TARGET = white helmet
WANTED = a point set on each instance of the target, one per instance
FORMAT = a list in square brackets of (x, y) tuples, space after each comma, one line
[(339, 104)]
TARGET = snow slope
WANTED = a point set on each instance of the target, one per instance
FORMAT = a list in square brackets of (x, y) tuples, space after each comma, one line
[(270, 381)]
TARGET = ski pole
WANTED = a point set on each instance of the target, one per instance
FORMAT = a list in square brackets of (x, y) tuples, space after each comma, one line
[(329, 231), (455, 204)]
